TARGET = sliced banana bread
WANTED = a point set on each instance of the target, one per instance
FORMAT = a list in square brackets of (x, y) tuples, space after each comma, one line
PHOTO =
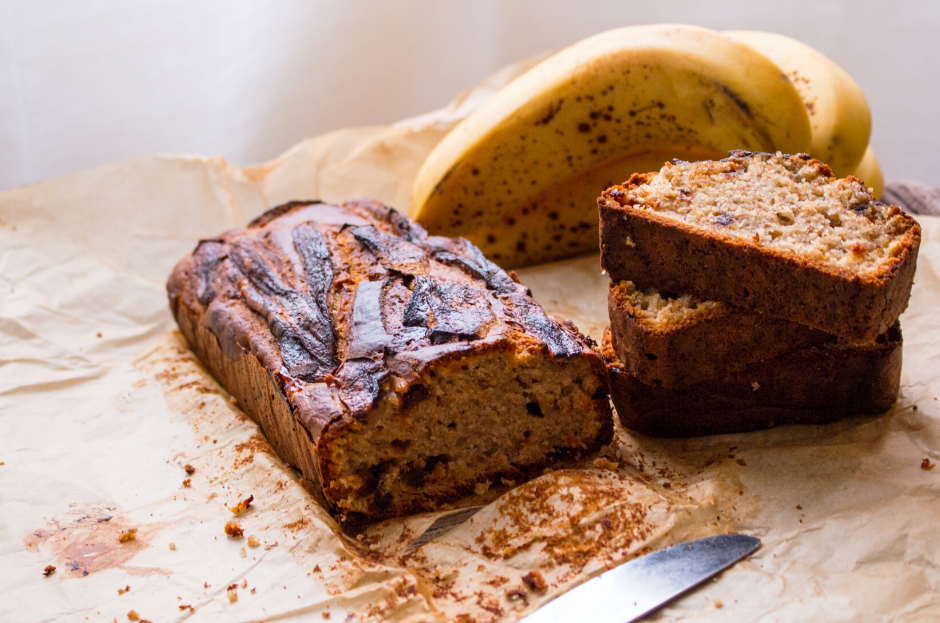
[(808, 386), (773, 233), (396, 370), (678, 341)]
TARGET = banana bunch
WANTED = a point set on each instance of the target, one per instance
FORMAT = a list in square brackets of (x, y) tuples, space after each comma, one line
[(837, 107), (520, 176)]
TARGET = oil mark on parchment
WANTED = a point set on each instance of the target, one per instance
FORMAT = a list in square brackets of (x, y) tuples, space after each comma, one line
[(86, 540)]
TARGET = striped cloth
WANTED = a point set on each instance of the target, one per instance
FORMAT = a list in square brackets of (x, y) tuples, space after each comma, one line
[(913, 197)]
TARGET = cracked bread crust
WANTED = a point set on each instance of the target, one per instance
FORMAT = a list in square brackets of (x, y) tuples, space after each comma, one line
[(678, 341), (772, 233), (396, 370), (810, 386)]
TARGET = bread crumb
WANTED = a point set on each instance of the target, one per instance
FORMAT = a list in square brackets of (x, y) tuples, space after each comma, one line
[(187, 482), (189, 469), (121, 591), (173, 546), (133, 616), (232, 595), (190, 608), (605, 463), (535, 581), (242, 553), (128, 535), (481, 487), (242, 506), (49, 570), (244, 583), (253, 591), (326, 615), (799, 507), (266, 547), (755, 386), (719, 604), (253, 541), (516, 594), (927, 465), (233, 530)]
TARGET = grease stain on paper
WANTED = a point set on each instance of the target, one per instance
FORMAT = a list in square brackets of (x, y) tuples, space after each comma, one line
[(84, 541)]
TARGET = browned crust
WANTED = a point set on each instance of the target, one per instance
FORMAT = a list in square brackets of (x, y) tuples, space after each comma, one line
[(810, 386), (684, 354), (302, 418), (257, 395), (674, 256)]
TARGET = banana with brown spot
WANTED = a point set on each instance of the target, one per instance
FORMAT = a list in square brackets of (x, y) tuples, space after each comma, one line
[(520, 176), (837, 107)]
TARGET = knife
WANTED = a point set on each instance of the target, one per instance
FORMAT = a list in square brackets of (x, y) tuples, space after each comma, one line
[(636, 588), (444, 524)]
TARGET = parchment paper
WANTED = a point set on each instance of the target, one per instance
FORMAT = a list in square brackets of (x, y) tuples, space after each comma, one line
[(103, 406)]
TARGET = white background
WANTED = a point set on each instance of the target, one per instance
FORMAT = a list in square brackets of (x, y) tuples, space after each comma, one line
[(88, 83)]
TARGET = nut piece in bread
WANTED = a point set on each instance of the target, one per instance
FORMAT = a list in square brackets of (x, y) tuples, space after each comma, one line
[(773, 233), (396, 370)]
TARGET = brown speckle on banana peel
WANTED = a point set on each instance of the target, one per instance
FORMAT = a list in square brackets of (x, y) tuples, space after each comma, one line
[(563, 221), (838, 110), (614, 94)]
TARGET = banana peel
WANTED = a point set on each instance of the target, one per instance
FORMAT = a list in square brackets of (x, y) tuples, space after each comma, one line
[(563, 221), (869, 171), (528, 165), (837, 107)]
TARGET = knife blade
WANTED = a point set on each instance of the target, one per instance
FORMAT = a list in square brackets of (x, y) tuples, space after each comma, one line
[(443, 525), (636, 588)]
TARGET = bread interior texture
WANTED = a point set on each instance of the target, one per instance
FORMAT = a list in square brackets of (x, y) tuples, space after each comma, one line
[(464, 425), (664, 310), (792, 203)]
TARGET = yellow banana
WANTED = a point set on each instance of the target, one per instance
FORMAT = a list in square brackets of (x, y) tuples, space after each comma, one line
[(563, 220), (838, 110), (869, 171), (544, 147)]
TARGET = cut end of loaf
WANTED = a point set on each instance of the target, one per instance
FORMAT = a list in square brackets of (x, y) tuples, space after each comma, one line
[(461, 426), (790, 204)]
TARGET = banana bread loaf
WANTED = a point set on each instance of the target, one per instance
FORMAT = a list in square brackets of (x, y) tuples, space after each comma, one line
[(768, 232), (396, 370), (809, 386), (680, 340)]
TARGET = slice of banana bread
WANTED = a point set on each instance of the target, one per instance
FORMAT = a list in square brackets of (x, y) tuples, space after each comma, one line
[(680, 340), (773, 233), (808, 386), (396, 370)]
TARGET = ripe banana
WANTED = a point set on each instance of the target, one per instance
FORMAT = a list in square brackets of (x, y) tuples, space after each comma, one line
[(838, 110), (520, 176), (869, 171)]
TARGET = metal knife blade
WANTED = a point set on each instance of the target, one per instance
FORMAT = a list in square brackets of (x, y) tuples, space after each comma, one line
[(443, 525), (636, 588)]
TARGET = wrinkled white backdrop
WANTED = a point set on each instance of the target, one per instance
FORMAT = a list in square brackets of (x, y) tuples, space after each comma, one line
[(88, 83)]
